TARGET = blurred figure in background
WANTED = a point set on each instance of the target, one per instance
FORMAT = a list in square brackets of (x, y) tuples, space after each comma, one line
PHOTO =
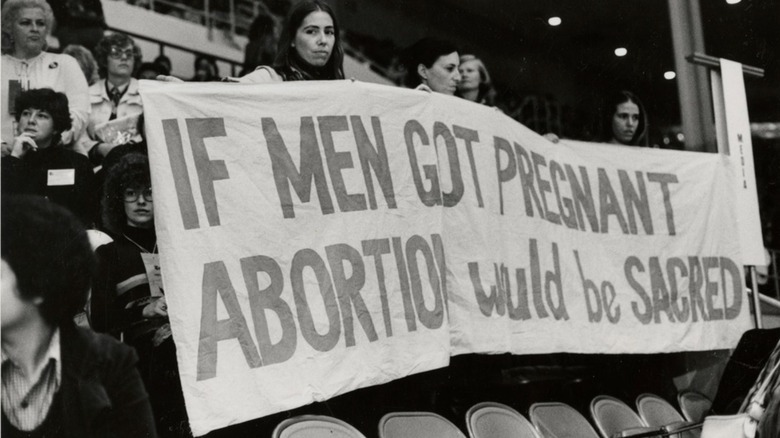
[(39, 164), (59, 379), (25, 66), (116, 102), (86, 61), (79, 22), (149, 70), (475, 84), (206, 69), (261, 48), (432, 65)]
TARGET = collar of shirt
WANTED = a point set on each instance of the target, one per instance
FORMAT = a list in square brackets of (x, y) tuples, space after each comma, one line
[(52, 352)]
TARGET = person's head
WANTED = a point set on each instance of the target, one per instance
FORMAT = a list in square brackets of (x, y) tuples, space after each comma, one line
[(86, 61), (127, 196), (164, 62), (47, 261), (311, 41), (43, 115), (625, 119), (205, 69), (148, 70), (474, 77), (117, 56), (25, 25), (433, 62)]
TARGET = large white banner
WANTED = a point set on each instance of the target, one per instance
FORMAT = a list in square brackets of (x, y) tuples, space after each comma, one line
[(320, 237)]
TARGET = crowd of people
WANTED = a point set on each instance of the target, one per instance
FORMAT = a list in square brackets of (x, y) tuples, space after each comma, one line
[(74, 157)]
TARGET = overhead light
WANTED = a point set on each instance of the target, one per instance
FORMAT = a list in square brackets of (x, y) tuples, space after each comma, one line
[(733, 2), (621, 51), (669, 75), (554, 21)]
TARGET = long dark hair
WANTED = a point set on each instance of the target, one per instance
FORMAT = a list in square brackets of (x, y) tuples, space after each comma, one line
[(289, 64), (425, 51), (608, 111)]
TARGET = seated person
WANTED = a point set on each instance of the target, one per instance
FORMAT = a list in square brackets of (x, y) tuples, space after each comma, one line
[(39, 164), (59, 379), (116, 102), (128, 300)]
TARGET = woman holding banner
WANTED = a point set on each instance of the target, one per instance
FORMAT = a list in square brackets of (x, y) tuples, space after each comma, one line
[(432, 65), (127, 295), (626, 119)]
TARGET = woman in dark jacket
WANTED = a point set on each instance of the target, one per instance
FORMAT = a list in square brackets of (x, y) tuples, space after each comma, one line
[(128, 300)]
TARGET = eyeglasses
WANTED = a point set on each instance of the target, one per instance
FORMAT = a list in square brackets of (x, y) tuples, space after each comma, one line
[(131, 195), (118, 53)]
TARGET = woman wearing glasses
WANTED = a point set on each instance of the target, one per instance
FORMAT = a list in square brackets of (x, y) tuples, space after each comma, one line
[(26, 66), (116, 103), (128, 298)]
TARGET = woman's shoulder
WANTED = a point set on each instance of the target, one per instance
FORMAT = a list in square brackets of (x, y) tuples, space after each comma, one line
[(261, 75)]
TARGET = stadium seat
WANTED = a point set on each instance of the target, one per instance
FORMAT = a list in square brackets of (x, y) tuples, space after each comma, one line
[(315, 426), (657, 412), (417, 425), (614, 418), (559, 420), (694, 405), (495, 420)]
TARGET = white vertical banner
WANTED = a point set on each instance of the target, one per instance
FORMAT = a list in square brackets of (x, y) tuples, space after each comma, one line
[(740, 147)]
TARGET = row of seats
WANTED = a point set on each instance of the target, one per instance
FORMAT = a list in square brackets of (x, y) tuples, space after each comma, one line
[(655, 417)]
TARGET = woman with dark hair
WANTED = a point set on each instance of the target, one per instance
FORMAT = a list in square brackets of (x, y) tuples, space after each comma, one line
[(309, 47), (116, 102), (26, 66), (432, 65), (59, 379), (475, 84), (625, 120), (39, 164), (261, 48), (127, 296)]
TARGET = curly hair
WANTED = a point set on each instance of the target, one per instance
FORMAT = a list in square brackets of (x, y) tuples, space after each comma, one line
[(46, 99), (287, 57), (131, 171), (10, 14), (48, 250), (115, 39)]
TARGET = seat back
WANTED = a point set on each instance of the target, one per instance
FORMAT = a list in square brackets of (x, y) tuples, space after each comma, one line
[(417, 425), (613, 416), (495, 420), (694, 405), (656, 411), (559, 420), (315, 426)]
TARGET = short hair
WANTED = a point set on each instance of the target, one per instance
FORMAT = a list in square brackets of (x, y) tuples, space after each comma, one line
[(610, 107), (425, 51), (115, 39), (286, 55), (46, 99), (487, 94), (86, 61), (132, 171), (10, 13), (156, 68), (48, 249)]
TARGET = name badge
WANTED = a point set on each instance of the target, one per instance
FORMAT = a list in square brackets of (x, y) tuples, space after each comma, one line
[(61, 177), (152, 266)]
